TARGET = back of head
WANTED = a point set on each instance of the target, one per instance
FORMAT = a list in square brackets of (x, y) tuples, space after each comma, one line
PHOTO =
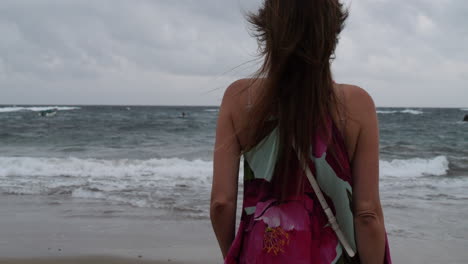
[(297, 39)]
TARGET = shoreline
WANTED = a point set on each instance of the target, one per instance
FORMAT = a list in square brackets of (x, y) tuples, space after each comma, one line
[(40, 231), (35, 229)]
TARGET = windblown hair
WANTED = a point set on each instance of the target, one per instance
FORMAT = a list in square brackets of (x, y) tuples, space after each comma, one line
[(297, 39)]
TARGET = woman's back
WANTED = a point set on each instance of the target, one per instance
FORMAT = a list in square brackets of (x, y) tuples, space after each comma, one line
[(292, 113), (243, 93), (297, 231)]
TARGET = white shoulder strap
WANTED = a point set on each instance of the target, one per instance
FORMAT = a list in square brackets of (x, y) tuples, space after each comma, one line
[(331, 218)]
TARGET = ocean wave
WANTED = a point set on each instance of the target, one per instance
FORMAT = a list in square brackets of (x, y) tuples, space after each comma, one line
[(138, 183), (113, 169), (175, 172), (36, 108), (406, 111), (464, 109), (174, 185), (416, 167), (211, 110)]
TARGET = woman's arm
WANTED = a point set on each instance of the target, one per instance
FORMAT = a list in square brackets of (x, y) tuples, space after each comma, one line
[(368, 215), (225, 175)]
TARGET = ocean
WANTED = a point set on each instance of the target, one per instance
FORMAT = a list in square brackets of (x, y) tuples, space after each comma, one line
[(153, 158)]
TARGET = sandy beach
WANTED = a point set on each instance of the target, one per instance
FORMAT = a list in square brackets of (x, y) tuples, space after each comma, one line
[(73, 232), (33, 231)]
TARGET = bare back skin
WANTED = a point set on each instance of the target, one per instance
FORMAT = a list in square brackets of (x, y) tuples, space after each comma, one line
[(243, 95), (359, 128)]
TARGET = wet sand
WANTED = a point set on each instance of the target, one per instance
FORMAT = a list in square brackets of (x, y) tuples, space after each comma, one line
[(70, 231), (77, 232)]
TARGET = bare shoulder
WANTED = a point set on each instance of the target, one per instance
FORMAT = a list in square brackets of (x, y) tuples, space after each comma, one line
[(359, 112), (357, 97), (236, 89), (235, 104), (358, 102), (236, 96)]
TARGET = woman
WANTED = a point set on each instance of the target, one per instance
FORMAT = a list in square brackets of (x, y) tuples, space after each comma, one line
[(293, 113)]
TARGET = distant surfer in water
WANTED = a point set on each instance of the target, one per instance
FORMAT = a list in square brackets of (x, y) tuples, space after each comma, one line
[(183, 115)]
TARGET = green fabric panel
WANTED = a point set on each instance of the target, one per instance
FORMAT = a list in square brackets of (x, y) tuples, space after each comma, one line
[(250, 210), (248, 173), (262, 158), (337, 189)]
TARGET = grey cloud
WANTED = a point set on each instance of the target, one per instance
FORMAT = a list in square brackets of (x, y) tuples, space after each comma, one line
[(406, 50), (175, 51), (172, 36)]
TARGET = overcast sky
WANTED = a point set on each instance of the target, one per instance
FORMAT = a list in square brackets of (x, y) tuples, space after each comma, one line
[(185, 52)]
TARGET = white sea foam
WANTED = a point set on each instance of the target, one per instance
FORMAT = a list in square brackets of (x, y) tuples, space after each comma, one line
[(211, 110), (157, 169), (116, 175), (416, 167), (464, 109), (386, 112), (169, 184), (406, 111), (36, 108), (412, 111)]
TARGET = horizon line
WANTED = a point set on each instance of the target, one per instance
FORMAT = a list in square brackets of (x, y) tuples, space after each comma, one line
[(211, 106)]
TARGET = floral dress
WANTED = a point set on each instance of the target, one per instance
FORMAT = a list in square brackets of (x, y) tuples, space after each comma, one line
[(295, 231)]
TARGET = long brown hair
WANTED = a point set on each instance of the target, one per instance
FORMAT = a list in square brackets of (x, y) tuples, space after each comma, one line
[(297, 39)]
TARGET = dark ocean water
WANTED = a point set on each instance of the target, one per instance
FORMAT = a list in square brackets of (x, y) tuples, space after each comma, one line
[(151, 157)]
